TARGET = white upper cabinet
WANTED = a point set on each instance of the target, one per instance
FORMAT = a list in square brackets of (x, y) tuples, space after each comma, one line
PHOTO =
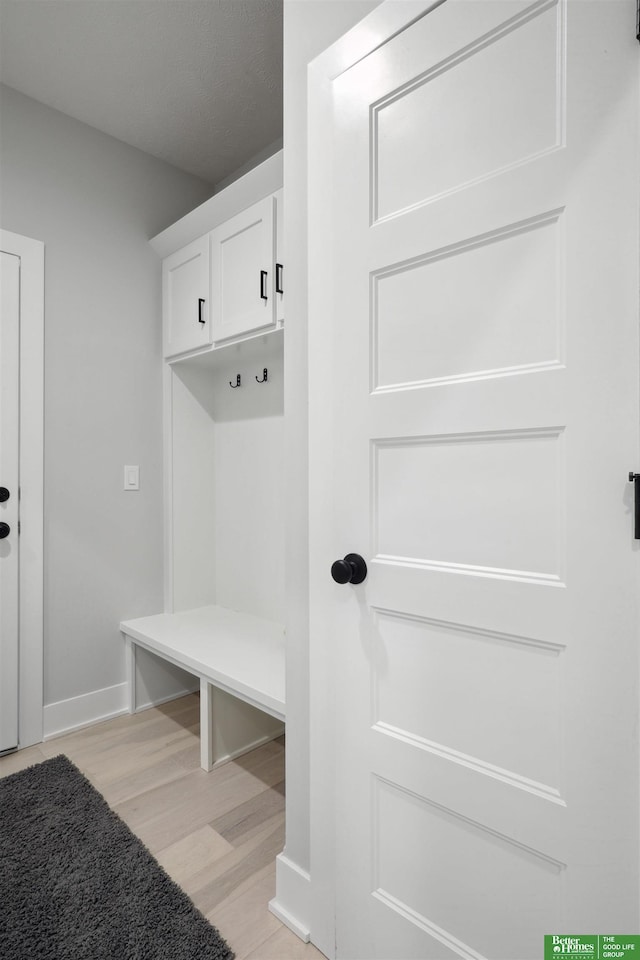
[(185, 298), (243, 266), (228, 284)]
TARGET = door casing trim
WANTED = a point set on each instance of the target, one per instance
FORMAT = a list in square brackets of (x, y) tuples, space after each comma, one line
[(31, 565)]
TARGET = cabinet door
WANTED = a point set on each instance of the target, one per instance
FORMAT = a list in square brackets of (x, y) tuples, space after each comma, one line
[(278, 280), (242, 266), (185, 298)]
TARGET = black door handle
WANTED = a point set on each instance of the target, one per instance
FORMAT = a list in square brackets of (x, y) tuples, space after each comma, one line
[(279, 278), (4, 494), (5, 530), (352, 569), (263, 285), (200, 305)]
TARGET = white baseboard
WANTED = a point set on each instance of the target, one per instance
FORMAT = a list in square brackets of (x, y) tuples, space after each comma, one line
[(291, 904), (67, 715), (170, 696), (248, 747)]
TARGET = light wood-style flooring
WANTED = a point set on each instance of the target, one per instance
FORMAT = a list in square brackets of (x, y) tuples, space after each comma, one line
[(217, 834)]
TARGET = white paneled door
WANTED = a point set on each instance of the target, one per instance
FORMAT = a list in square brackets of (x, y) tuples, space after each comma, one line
[(481, 247), (9, 452)]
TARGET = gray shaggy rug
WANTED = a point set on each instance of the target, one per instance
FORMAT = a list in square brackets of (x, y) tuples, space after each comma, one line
[(76, 884)]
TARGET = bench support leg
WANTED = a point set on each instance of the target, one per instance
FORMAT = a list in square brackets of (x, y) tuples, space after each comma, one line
[(206, 725), (130, 653)]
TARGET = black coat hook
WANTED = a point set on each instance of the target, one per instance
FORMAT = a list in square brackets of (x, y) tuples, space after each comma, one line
[(237, 383), (265, 376)]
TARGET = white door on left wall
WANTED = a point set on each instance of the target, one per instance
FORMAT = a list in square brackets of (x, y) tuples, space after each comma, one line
[(9, 480)]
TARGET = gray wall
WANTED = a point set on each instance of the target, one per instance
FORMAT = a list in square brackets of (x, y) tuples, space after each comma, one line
[(95, 202)]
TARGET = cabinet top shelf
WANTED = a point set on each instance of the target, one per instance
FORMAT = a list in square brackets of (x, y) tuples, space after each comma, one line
[(264, 179), (237, 652)]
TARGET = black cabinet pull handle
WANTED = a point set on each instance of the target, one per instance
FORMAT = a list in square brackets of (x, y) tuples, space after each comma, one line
[(5, 530), (279, 278), (352, 569), (200, 305), (263, 285), (634, 478)]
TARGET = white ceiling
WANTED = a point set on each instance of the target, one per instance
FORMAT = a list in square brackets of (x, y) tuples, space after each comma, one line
[(197, 83)]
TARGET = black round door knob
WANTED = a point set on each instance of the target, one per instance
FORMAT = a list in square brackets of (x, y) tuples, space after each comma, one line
[(5, 530), (4, 494), (352, 569)]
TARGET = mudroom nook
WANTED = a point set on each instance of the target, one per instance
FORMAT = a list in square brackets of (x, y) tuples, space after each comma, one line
[(223, 314)]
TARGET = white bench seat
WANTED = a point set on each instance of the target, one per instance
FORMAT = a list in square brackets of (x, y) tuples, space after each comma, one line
[(236, 652)]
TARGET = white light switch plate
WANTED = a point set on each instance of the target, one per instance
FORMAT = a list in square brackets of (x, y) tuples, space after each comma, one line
[(131, 478)]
